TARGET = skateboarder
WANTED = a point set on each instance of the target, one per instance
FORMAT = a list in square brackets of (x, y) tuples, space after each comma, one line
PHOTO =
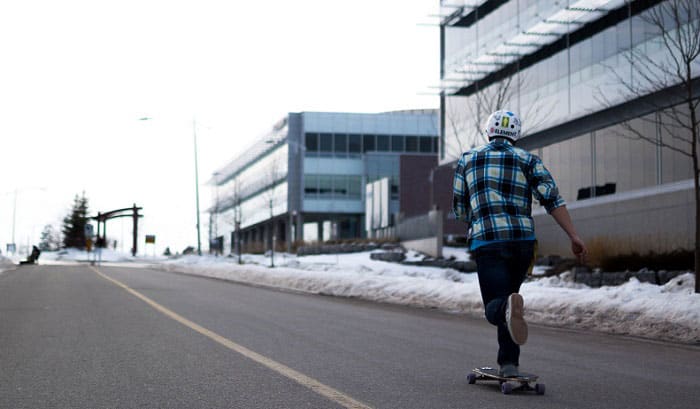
[(493, 188)]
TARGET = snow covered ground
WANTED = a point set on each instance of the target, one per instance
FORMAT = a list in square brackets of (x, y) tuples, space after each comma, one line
[(5, 264), (670, 312)]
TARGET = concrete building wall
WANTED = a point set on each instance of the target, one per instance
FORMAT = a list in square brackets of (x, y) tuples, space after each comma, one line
[(415, 181), (441, 196), (422, 233), (658, 219)]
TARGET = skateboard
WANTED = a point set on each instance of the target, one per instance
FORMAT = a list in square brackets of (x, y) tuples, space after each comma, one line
[(508, 385)]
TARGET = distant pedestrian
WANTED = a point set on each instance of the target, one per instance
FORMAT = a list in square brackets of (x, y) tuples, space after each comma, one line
[(493, 188), (33, 257)]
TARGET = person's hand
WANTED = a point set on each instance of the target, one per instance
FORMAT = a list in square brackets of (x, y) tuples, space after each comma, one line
[(578, 247)]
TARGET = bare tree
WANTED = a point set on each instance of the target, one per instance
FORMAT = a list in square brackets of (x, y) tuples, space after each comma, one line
[(467, 124), (237, 199), (272, 177), (677, 25)]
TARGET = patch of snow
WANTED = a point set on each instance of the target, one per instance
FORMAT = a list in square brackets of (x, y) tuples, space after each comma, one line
[(6, 264), (459, 253)]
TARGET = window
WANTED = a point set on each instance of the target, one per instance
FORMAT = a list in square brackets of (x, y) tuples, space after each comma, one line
[(411, 144), (326, 143), (394, 187), (354, 187), (354, 143), (397, 143), (608, 42), (340, 186), (311, 142), (623, 35), (341, 145), (383, 143), (426, 144), (368, 142), (638, 30), (325, 185), (310, 185), (333, 186), (599, 48)]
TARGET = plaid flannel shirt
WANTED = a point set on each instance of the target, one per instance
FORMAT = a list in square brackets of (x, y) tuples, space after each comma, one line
[(493, 188)]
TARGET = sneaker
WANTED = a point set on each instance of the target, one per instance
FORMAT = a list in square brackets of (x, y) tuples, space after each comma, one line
[(515, 320), (509, 371)]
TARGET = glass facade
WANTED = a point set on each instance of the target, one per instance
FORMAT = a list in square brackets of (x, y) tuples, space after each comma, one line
[(256, 177), (580, 71), (332, 187), (381, 166), (342, 145), (614, 156)]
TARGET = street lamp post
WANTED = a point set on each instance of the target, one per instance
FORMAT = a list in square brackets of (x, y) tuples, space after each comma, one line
[(237, 221), (196, 185), (196, 179), (14, 210), (274, 228), (215, 218), (14, 220)]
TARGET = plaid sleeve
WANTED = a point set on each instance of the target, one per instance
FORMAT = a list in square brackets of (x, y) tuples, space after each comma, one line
[(543, 187), (460, 194)]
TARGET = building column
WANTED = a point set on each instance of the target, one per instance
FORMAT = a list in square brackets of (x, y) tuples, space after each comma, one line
[(299, 226)]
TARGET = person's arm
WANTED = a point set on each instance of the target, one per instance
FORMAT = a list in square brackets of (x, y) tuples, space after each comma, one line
[(546, 192), (562, 217), (460, 199)]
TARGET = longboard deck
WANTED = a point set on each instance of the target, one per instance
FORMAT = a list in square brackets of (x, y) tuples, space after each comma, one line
[(493, 373), (522, 382)]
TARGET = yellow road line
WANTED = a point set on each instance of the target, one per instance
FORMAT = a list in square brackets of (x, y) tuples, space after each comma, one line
[(308, 382)]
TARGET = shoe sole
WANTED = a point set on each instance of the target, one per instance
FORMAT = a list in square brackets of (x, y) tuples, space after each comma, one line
[(516, 320)]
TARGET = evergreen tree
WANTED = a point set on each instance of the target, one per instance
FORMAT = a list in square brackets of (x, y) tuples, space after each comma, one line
[(74, 223)]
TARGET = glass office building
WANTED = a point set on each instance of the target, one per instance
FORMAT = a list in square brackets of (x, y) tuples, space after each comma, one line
[(563, 63), (305, 180), (566, 67)]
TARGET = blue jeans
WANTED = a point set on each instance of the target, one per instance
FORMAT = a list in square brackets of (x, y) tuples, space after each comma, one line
[(502, 267)]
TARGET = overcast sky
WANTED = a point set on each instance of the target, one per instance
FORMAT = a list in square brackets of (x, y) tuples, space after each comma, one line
[(76, 76)]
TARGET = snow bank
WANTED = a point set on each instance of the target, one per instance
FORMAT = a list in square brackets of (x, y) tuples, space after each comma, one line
[(5, 264), (106, 255), (670, 312)]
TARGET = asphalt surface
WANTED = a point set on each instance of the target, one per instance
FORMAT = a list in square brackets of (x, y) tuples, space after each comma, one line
[(72, 339)]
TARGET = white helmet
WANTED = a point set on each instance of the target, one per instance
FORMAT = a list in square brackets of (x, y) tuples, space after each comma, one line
[(504, 124)]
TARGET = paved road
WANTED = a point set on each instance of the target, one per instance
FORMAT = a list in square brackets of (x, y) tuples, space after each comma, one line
[(70, 338)]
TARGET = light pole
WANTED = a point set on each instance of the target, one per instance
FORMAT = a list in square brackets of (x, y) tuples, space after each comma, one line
[(196, 185), (14, 220), (215, 216), (196, 179), (14, 210), (237, 221)]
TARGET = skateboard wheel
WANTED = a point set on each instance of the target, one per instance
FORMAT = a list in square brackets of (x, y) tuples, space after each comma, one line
[(539, 388), (471, 378), (506, 388)]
